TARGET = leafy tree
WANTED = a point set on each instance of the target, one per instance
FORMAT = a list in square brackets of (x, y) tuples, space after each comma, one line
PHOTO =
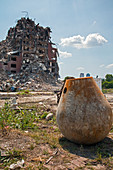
[(109, 77), (108, 82)]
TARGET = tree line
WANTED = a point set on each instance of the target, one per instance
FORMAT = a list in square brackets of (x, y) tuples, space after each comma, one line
[(107, 83)]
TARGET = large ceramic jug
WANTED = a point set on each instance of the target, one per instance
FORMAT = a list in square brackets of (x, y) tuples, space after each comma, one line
[(84, 115)]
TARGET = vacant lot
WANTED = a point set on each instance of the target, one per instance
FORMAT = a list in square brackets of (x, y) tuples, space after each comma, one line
[(39, 142)]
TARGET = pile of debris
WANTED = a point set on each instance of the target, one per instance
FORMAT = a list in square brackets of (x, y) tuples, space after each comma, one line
[(41, 81), (27, 57)]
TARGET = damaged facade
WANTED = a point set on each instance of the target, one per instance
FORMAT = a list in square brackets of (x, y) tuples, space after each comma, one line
[(28, 48)]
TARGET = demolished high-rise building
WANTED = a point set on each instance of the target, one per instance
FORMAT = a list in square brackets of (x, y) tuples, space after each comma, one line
[(27, 48)]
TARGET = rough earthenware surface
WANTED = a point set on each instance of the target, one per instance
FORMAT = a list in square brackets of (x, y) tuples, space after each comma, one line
[(84, 115)]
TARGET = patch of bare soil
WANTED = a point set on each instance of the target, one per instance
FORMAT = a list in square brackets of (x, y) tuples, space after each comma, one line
[(65, 155), (47, 148)]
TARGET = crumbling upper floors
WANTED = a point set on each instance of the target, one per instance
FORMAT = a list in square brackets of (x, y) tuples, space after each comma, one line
[(26, 44)]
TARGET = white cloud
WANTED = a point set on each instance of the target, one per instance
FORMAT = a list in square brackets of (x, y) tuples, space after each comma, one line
[(92, 40), (102, 65), (75, 41), (109, 66), (64, 54), (80, 68)]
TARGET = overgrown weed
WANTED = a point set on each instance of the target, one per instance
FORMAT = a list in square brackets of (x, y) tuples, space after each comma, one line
[(20, 119)]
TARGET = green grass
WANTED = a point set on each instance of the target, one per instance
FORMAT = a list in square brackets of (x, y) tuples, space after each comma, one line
[(20, 119), (43, 116), (107, 90), (12, 156), (24, 92), (112, 129), (46, 133)]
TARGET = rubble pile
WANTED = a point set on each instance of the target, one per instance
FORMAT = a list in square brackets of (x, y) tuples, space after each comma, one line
[(27, 57), (34, 82)]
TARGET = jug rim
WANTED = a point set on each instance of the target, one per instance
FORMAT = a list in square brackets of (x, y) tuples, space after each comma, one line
[(80, 78)]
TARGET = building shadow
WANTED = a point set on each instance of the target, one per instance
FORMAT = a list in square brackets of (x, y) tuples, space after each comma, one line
[(102, 149)]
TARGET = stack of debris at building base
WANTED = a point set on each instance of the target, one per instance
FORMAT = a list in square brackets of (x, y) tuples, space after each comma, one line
[(27, 57)]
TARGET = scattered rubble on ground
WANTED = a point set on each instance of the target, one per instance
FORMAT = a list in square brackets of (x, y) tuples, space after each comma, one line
[(27, 57), (19, 164), (49, 116)]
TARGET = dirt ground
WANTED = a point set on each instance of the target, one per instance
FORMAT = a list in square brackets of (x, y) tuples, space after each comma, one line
[(47, 148)]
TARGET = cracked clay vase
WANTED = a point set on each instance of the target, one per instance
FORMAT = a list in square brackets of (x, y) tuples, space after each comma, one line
[(84, 116)]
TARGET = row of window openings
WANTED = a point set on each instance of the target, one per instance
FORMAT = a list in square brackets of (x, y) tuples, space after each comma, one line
[(14, 66), (27, 61), (13, 59)]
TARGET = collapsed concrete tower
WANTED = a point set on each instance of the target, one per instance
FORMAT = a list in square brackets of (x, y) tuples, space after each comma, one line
[(27, 48)]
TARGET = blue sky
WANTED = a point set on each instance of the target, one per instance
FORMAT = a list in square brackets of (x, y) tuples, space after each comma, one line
[(81, 29)]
